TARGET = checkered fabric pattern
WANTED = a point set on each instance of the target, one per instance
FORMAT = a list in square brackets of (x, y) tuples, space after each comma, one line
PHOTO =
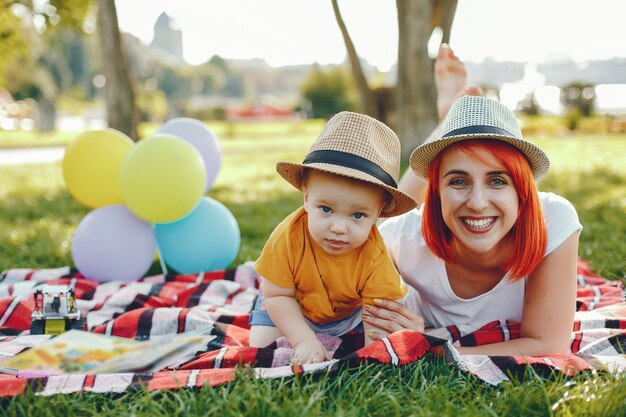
[(169, 304), (362, 135)]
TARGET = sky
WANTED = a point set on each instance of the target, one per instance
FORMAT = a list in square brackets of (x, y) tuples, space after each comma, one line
[(289, 32)]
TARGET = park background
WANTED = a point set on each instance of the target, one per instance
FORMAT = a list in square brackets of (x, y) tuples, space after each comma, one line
[(265, 90)]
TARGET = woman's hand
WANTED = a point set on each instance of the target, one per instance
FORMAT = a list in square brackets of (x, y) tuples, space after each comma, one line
[(390, 316)]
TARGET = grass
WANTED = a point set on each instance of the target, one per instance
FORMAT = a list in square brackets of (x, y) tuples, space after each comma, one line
[(23, 138), (38, 217), (426, 388), (588, 171), (223, 129)]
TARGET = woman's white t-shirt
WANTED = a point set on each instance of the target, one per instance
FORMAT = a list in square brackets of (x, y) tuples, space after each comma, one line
[(430, 293)]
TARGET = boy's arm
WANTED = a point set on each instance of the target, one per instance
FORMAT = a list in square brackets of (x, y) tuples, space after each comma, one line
[(286, 314)]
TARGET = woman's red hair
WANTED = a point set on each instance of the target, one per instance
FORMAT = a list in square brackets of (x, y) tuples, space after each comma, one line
[(529, 232)]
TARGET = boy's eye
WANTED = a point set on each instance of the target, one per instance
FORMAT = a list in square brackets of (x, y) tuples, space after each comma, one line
[(325, 209), (358, 216)]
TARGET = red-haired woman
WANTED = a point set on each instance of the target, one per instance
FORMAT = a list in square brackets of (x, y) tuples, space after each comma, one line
[(486, 245)]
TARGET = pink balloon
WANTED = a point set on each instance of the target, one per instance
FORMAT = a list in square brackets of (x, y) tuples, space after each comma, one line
[(201, 138), (111, 243)]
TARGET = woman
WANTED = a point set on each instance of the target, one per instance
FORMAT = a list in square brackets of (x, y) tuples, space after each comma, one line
[(486, 245)]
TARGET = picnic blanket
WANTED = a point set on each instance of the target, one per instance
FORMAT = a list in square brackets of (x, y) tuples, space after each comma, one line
[(169, 304)]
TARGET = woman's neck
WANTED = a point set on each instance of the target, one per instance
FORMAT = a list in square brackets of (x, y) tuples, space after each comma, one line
[(494, 259), (475, 273)]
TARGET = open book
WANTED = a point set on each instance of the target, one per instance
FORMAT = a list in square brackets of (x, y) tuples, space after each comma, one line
[(79, 352)]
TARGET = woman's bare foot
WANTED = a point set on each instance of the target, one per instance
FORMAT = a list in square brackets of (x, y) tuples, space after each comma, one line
[(450, 80)]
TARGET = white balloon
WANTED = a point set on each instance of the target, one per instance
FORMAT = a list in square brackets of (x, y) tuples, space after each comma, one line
[(201, 138)]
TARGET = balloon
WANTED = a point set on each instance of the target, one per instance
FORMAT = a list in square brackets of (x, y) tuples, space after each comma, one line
[(201, 138), (163, 179), (208, 239), (110, 243), (92, 165)]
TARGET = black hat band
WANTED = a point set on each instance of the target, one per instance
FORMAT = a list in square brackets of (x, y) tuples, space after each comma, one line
[(479, 129), (349, 160)]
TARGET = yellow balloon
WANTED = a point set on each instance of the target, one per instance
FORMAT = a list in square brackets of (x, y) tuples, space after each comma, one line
[(163, 179), (92, 166)]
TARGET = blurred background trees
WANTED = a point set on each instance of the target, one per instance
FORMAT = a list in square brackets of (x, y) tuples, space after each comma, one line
[(327, 92), (578, 98), (42, 38), (55, 65)]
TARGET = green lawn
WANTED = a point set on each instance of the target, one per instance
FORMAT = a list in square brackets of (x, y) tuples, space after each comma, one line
[(223, 129), (38, 217)]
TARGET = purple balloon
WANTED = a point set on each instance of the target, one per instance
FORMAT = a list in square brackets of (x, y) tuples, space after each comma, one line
[(201, 138), (111, 243)]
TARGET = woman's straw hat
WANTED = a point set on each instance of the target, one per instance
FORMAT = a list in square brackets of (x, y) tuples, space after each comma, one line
[(475, 117), (356, 146)]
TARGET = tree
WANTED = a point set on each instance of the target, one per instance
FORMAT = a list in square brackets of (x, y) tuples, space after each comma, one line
[(415, 95), (579, 99), (528, 105), (365, 94), (327, 92), (63, 15), (12, 41), (48, 65), (122, 112), (579, 96)]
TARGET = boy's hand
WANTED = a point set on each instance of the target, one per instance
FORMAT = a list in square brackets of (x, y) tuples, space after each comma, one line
[(310, 351)]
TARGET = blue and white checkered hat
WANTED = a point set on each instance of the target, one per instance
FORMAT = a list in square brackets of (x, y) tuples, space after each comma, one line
[(476, 117)]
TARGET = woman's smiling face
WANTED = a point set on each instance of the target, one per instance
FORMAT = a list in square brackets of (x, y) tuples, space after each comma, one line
[(479, 202)]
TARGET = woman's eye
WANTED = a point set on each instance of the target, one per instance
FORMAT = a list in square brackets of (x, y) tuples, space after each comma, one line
[(358, 216), (325, 209), (498, 181), (457, 182)]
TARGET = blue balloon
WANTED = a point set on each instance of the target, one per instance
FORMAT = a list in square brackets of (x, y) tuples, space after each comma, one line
[(205, 240)]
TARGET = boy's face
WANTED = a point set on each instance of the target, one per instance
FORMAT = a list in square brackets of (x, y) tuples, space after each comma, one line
[(341, 211)]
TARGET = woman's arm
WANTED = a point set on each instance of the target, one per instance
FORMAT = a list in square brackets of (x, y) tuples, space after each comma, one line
[(549, 307), (547, 317), (410, 183), (413, 185), (286, 314)]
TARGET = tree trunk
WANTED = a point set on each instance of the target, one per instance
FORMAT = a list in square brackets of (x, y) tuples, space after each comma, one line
[(415, 95), (46, 115), (122, 113), (415, 91), (366, 96), (443, 16)]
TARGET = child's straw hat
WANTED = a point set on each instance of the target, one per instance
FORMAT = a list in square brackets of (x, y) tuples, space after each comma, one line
[(356, 146)]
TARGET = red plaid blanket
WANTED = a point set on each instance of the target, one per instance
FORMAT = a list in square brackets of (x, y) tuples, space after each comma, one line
[(169, 304)]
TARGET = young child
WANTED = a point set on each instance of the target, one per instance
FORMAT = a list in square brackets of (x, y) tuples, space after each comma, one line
[(327, 259)]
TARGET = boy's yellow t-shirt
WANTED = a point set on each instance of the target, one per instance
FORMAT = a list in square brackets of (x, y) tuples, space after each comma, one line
[(329, 288)]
